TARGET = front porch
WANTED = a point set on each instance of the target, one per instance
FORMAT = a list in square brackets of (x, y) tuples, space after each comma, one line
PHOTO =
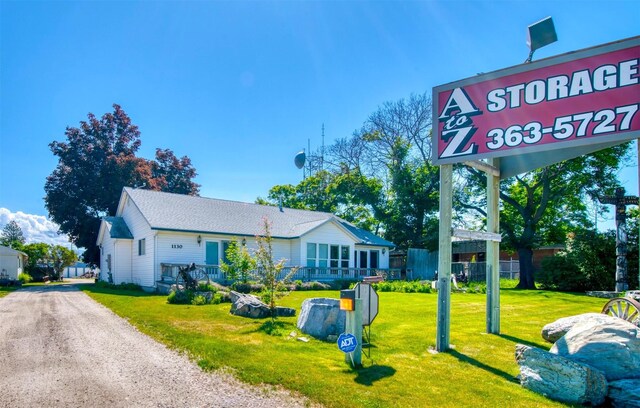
[(305, 274)]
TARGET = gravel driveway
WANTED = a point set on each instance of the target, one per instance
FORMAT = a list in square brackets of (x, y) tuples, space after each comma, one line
[(59, 348)]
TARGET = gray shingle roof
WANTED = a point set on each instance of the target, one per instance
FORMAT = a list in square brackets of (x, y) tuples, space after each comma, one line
[(118, 229), (177, 212)]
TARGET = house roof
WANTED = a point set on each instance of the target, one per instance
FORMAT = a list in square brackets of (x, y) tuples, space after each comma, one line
[(4, 250), (178, 212), (118, 229)]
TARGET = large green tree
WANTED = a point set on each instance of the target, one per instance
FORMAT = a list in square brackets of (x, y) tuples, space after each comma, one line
[(542, 206), (12, 235), (381, 178), (349, 195), (95, 162)]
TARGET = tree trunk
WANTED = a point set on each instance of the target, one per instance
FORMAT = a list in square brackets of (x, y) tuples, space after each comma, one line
[(525, 256)]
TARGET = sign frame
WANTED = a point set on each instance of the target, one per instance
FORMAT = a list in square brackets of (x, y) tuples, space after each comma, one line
[(550, 148)]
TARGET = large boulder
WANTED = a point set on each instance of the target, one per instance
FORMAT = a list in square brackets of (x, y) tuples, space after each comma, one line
[(553, 331), (612, 346), (246, 305), (321, 318), (625, 393), (559, 378)]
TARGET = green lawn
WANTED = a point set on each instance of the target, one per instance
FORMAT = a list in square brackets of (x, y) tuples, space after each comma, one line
[(5, 290), (479, 371)]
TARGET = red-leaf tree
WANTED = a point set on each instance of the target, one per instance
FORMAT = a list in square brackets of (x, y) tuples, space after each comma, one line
[(96, 161)]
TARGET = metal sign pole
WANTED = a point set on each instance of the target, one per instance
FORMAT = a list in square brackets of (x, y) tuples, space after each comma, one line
[(444, 258), (353, 325), (493, 250)]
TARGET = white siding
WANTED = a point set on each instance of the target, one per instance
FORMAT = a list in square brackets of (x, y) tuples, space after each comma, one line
[(183, 248), (296, 253), (328, 233), (120, 251), (176, 247), (142, 269), (122, 261), (10, 266), (106, 250)]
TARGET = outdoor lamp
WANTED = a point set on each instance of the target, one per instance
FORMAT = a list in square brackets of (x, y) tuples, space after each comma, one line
[(540, 34), (199, 240), (348, 300), (244, 241)]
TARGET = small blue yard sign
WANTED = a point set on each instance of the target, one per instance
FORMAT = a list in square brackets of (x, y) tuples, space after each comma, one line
[(347, 342)]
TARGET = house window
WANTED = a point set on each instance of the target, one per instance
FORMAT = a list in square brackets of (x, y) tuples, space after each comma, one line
[(335, 256), (225, 247), (373, 259), (344, 256), (311, 255), (323, 255), (142, 246)]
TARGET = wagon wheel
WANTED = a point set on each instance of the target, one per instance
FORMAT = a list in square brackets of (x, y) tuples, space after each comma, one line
[(624, 308)]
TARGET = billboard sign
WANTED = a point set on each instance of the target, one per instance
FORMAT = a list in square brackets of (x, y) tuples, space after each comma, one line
[(586, 100)]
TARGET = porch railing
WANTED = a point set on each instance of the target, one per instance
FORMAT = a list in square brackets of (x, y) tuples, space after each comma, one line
[(169, 273)]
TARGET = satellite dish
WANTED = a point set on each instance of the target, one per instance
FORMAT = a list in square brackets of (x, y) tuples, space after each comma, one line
[(300, 159)]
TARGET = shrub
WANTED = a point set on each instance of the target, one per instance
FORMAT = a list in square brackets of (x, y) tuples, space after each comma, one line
[(207, 287), (122, 286), (199, 300), (403, 286), (559, 272), (247, 287), (180, 297), (24, 278), (340, 284), (299, 285)]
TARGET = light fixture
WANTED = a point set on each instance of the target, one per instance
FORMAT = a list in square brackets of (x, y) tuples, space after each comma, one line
[(244, 241), (540, 34), (384, 251), (199, 240)]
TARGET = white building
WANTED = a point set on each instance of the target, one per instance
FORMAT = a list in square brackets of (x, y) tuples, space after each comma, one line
[(154, 232), (11, 263)]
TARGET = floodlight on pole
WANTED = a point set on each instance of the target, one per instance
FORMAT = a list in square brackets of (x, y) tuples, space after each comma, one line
[(540, 34)]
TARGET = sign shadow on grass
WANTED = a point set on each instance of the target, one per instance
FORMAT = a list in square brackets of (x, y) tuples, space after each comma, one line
[(466, 359), (520, 341), (367, 376)]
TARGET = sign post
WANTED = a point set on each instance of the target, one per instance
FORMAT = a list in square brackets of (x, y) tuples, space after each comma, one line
[(350, 342)]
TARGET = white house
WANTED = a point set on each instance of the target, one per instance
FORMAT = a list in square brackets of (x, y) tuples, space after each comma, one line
[(154, 232), (11, 263)]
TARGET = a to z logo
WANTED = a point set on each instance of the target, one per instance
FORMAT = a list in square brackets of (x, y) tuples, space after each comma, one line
[(458, 126)]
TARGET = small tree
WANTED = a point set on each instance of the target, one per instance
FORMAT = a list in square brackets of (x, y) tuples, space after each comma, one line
[(60, 258), (12, 235), (37, 259), (267, 269), (240, 262)]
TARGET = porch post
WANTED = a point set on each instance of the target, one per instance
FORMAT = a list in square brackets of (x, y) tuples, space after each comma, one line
[(493, 250), (444, 258)]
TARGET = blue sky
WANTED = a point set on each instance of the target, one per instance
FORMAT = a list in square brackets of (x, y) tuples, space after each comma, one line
[(240, 87)]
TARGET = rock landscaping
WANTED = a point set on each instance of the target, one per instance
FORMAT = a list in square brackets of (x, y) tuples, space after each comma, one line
[(321, 318), (595, 358), (247, 305)]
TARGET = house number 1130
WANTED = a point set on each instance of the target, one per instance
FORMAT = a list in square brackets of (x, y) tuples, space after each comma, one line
[(176, 246)]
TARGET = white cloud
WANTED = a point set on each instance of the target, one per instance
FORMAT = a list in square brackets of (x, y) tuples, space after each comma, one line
[(36, 228)]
